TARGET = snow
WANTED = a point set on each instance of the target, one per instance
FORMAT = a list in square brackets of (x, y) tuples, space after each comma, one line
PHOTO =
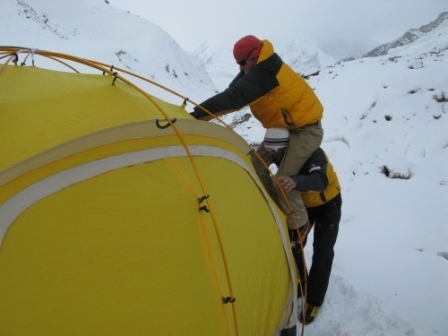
[(385, 124)]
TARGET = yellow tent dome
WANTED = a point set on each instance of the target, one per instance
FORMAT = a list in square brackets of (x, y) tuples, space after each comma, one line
[(120, 214)]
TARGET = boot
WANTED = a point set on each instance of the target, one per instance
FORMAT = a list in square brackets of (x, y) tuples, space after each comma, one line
[(310, 314)]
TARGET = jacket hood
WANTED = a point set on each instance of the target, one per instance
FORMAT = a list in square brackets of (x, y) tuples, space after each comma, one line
[(267, 50)]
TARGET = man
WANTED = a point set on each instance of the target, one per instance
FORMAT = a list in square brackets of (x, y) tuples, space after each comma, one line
[(277, 97), (319, 188)]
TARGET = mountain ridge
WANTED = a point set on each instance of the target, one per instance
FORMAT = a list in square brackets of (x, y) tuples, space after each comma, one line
[(408, 37)]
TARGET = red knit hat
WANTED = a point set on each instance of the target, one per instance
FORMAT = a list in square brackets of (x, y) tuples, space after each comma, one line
[(247, 47)]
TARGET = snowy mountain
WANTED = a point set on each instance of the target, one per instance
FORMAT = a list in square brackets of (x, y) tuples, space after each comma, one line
[(408, 37), (385, 123), (95, 30)]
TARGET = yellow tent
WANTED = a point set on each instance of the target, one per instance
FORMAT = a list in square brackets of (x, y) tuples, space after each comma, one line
[(122, 215)]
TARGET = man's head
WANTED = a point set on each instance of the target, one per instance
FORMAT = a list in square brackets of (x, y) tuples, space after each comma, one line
[(246, 50), (276, 140)]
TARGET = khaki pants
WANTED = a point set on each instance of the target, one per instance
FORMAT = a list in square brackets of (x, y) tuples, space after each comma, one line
[(303, 142)]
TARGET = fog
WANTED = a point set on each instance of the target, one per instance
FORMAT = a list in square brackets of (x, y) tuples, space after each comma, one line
[(342, 28)]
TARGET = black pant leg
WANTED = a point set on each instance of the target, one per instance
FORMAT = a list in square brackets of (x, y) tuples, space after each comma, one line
[(326, 228)]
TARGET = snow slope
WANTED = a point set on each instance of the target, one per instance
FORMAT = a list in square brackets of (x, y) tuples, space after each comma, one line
[(385, 123), (93, 29)]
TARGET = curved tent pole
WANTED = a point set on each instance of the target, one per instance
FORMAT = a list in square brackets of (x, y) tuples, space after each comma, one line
[(101, 66), (107, 69), (206, 198)]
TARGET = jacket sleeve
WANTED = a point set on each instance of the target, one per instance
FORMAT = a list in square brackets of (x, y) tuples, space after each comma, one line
[(315, 182), (313, 175), (242, 91)]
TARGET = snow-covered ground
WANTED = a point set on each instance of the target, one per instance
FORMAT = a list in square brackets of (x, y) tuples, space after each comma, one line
[(386, 132)]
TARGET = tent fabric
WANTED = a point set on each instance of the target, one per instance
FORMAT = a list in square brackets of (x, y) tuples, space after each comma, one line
[(11, 209), (117, 140), (100, 105), (115, 221)]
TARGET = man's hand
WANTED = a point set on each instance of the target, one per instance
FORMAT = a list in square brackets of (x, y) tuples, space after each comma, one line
[(287, 182)]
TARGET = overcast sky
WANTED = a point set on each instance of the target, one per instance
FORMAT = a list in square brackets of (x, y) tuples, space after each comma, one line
[(347, 25)]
